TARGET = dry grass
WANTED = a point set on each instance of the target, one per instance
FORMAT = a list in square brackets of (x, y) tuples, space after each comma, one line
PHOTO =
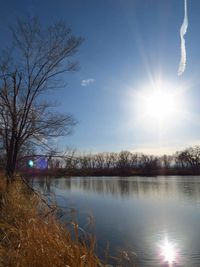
[(27, 239)]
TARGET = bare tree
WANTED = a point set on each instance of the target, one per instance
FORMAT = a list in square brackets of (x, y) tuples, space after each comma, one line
[(39, 57), (148, 162), (100, 160), (166, 161), (189, 158), (124, 160), (71, 161)]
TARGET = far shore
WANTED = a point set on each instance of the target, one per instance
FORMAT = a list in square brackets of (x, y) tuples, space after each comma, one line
[(111, 172)]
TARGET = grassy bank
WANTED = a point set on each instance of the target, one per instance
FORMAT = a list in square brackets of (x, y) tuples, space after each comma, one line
[(30, 235)]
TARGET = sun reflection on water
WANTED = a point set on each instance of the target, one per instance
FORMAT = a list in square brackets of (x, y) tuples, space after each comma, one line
[(168, 252)]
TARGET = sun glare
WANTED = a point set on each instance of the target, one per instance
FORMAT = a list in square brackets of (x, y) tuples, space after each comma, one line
[(168, 252), (160, 103)]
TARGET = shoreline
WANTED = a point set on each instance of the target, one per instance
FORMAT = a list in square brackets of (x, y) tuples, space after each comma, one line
[(111, 172)]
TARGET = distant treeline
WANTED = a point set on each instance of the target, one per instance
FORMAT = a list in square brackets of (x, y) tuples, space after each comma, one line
[(186, 161)]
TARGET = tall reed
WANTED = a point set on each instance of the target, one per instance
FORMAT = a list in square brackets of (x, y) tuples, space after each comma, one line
[(31, 239)]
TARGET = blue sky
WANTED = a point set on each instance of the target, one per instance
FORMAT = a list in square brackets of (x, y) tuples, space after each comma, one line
[(128, 43)]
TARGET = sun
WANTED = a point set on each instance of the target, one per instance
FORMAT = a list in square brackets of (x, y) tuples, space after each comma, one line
[(159, 103)]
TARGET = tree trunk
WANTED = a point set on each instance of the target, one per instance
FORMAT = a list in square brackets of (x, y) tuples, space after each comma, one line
[(11, 161), (10, 169)]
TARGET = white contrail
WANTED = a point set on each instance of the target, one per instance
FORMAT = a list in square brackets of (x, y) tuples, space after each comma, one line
[(183, 31)]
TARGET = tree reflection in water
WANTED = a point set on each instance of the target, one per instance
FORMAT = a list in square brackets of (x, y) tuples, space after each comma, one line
[(125, 186)]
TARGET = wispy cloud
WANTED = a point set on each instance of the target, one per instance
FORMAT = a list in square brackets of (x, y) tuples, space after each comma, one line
[(183, 32), (87, 82)]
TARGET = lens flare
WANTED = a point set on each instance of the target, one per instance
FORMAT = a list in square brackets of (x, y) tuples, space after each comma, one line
[(42, 163), (30, 163)]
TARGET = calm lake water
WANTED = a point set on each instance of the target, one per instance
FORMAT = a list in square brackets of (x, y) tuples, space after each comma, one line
[(156, 218)]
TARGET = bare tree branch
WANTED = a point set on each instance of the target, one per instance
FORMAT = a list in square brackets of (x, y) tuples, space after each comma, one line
[(40, 56)]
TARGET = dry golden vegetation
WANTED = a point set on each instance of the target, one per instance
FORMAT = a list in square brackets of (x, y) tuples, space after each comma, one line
[(28, 238)]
